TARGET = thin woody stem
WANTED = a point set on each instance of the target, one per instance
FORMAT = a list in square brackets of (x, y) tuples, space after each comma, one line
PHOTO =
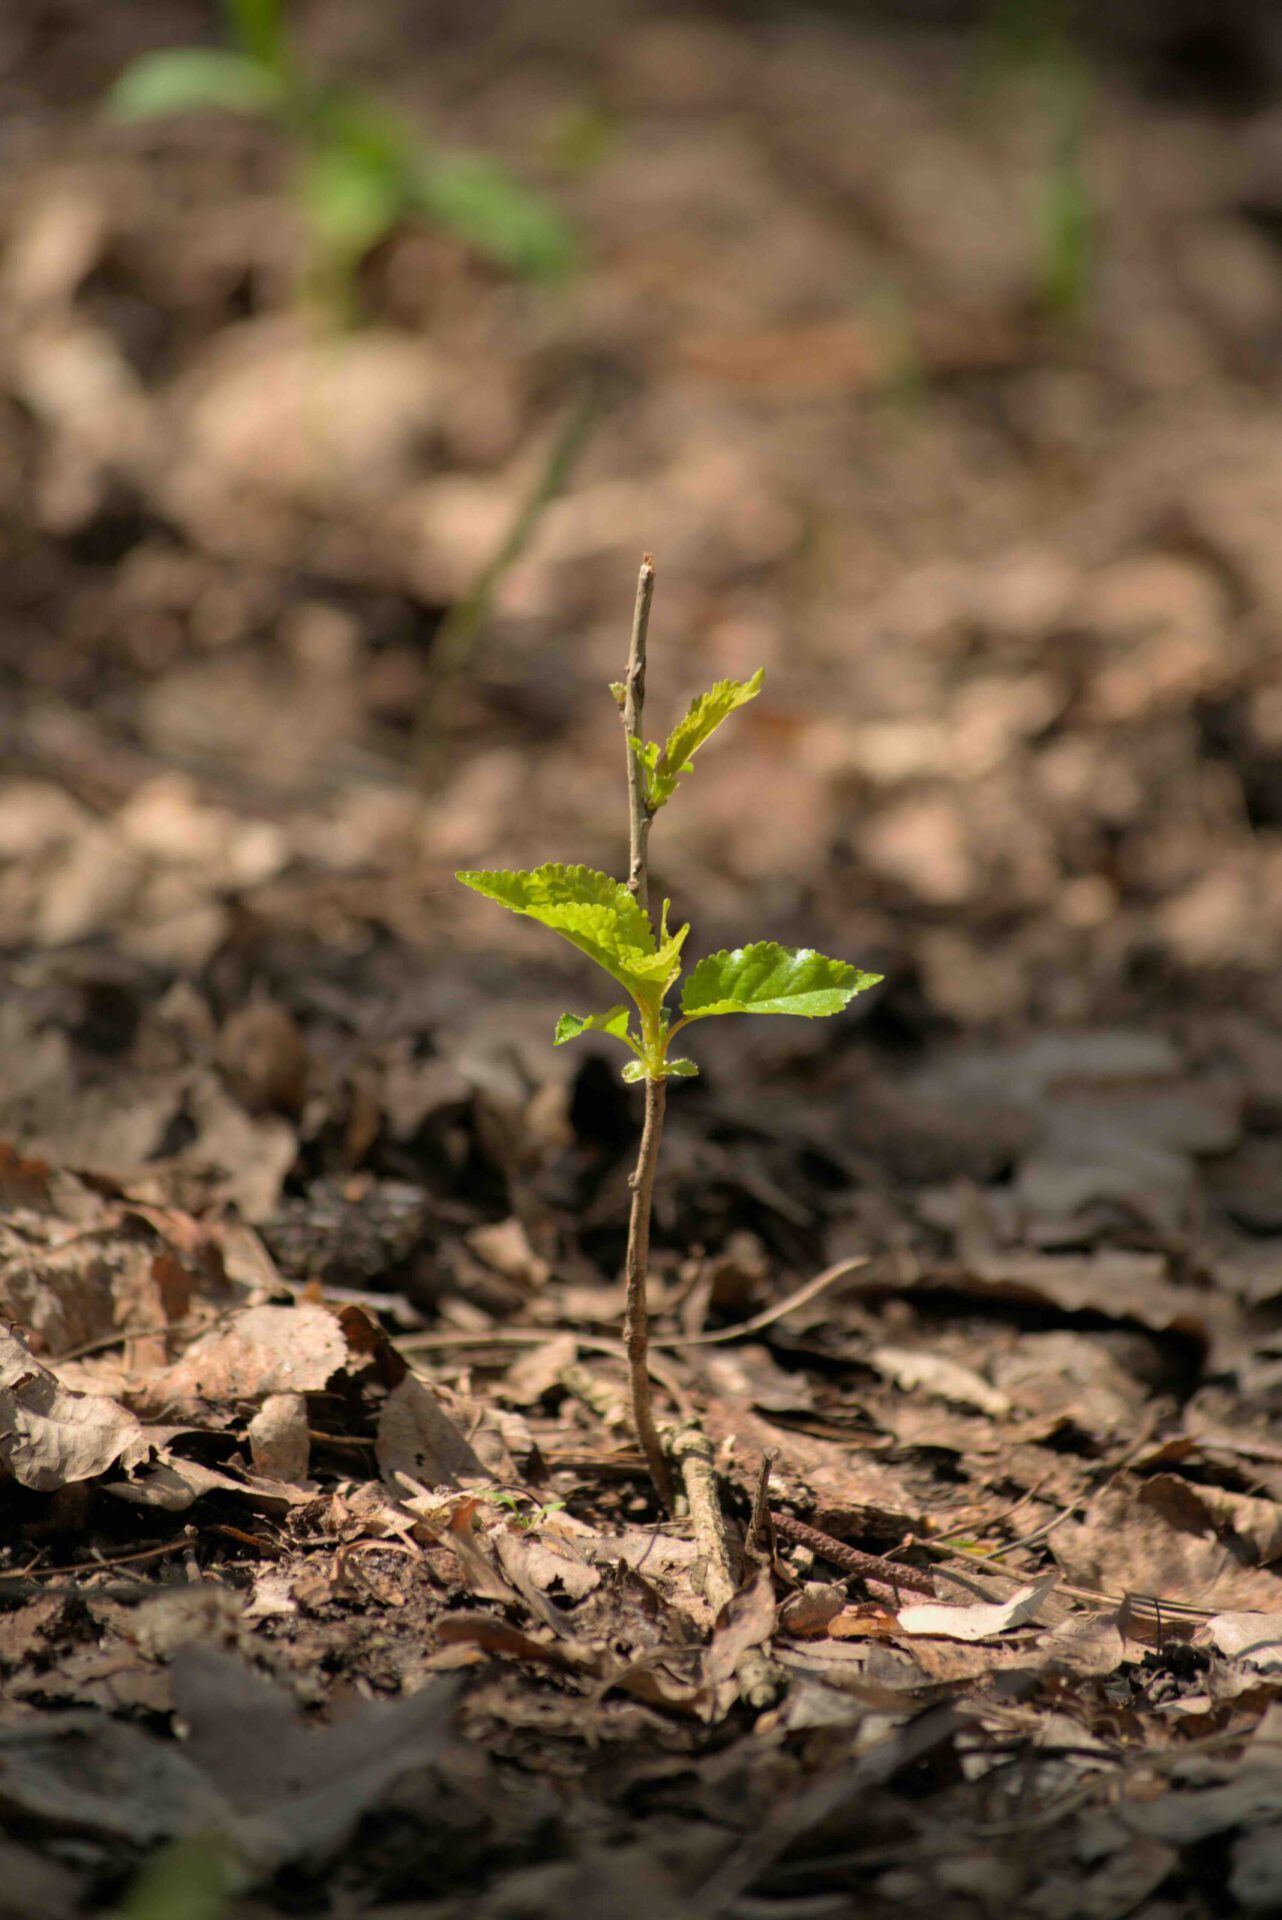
[(639, 815), (636, 1329), (636, 1324)]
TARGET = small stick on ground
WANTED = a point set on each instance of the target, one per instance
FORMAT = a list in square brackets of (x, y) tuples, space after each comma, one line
[(868, 1566), (692, 1451), (757, 1678), (636, 1322), (760, 1542)]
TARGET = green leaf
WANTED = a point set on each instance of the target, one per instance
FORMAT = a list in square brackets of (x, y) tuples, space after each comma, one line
[(615, 1023), (479, 200), (700, 723), (352, 200), (648, 754), (635, 1070), (194, 79), (766, 978), (597, 915)]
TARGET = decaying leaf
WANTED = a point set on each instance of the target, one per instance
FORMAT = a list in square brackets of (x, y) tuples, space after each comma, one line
[(417, 1438), (257, 1352), (746, 1621), (1145, 1542), (51, 1437), (103, 1779), (279, 1439)]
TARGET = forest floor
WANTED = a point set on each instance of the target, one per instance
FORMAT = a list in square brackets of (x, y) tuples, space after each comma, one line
[(331, 1577)]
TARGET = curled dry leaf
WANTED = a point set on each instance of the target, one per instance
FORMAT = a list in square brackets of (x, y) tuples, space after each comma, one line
[(981, 1621), (813, 1609), (747, 1620), (549, 1561), (49, 1436), (1253, 1637)]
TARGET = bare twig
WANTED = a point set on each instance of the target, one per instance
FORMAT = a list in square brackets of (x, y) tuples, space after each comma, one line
[(692, 1451), (639, 815), (768, 1315), (760, 1543), (636, 1328), (102, 1562), (868, 1566)]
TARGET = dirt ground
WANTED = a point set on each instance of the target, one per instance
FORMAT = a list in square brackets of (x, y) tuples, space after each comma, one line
[(331, 1580)]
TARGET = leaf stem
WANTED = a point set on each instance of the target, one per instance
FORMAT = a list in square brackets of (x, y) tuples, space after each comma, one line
[(639, 815), (636, 1326)]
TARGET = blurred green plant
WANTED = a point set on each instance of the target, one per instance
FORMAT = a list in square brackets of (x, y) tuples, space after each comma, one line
[(457, 634), (1033, 39), (1065, 211), (360, 171), (187, 1880)]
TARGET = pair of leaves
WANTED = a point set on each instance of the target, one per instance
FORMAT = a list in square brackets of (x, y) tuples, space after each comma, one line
[(615, 1023), (601, 918), (663, 766)]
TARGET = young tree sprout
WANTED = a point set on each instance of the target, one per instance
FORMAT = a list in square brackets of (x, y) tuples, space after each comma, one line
[(359, 170), (610, 922)]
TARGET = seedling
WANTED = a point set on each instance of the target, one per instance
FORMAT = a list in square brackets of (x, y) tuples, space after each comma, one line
[(360, 171), (1034, 39), (535, 1512), (610, 922)]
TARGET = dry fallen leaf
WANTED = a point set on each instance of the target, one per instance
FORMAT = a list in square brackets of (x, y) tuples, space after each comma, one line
[(417, 1438), (257, 1352), (981, 1621), (924, 1372), (279, 1441), (1133, 1540), (746, 1621), (1254, 1637), (303, 1791), (51, 1437)]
